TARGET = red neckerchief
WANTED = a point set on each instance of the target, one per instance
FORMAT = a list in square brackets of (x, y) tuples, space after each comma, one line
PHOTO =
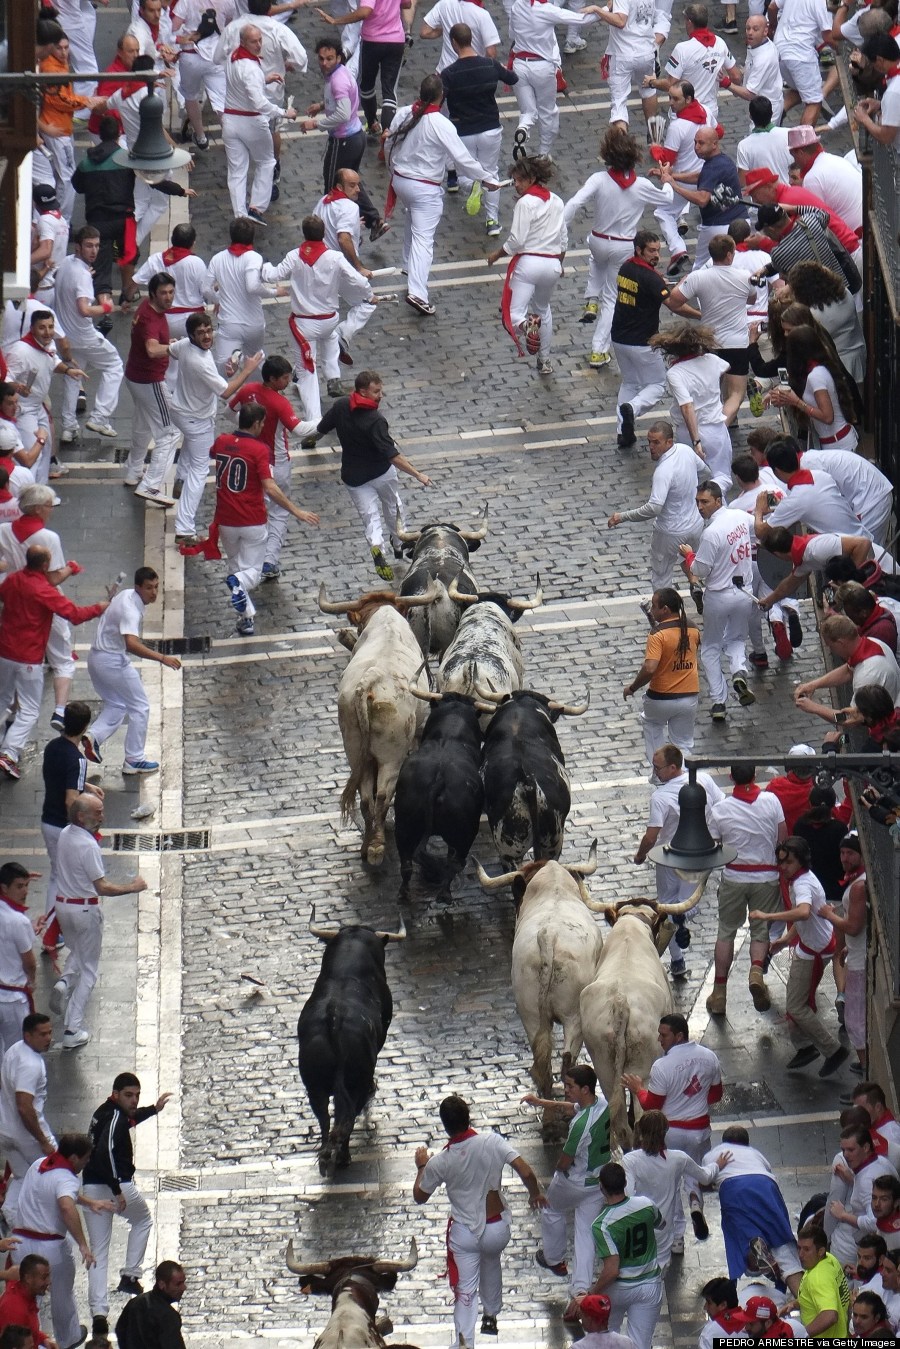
[(469, 1133), (175, 255), (746, 791), (891, 1224), (849, 879), (885, 1118), (894, 70), (359, 400), (13, 904), (479, 3), (868, 1162), (742, 248), (639, 262), (311, 251), (6, 495), (336, 194), (873, 618), (817, 150), (680, 360), (421, 109), (32, 341), (238, 249), (536, 190), (864, 648), (694, 112), (798, 548), (704, 37), (241, 54), (801, 478), (726, 1320), (25, 526), (625, 179), (55, 1162)]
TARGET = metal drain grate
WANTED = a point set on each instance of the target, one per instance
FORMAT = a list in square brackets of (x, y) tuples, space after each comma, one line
[(745, 1098), (175, 840), (180, 646), (176, 1183)]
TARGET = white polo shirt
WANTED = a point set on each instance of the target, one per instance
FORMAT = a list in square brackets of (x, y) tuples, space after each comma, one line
[(342, 216), (469, 1169), (125, 616), (74, 282), (198, 383), (723, 293), (38, 1207), (762, 74), (23, 1070), (446, 13), (815, 498), (766, 150), (79, 863), (664, 803), (752, 828), (16, 940), (725, 551), (684, 1077), (815, 931), (701, 66)]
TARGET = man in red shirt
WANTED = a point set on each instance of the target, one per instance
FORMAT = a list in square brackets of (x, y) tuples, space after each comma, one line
[(243, 481), (29, 603), (281, 422), (127, 49), (764, 187), (145, 373), (794, 788), (18, 1305)]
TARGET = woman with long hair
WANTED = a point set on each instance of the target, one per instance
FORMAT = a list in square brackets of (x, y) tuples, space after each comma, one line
[(537, 244), (421, 145), (819, 389), (693, 377), (671, 674), (825, 293), (618, 197)]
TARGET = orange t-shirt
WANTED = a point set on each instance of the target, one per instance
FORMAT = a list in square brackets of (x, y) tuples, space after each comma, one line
[(59, 102), (675, 676)]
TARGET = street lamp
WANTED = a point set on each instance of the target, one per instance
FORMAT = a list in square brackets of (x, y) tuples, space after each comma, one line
[(151, 155), (693, 850)]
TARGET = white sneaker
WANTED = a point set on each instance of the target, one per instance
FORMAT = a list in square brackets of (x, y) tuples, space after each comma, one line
[(101, 428), (575, 44), (68, 435), (154, 496), (59, 997), (74, 1039), (678, 1246)]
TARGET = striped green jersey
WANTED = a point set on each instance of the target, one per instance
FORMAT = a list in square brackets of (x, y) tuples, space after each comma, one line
[(627, 1230), (588, 1142)]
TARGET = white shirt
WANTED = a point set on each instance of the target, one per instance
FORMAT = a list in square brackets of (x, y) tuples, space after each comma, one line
[(430, 149), (189, 275), (38, 1207), (701, 66), (280, 46), (245, 88), (820, 505), (752, 828), (198, 383), (538, 226), (637, 38), (725, 550), (13, 552), (766, 150), (234, 282), (697, 381), (79, 863), (680, 134), (124, 617), (664, 812), (26, 363), (684, 1077), (190, 12), (617, 210), (745, 1161), (446, 13), (23, 1070), (16, 940), (141, 30), (672, 504), (341, 217), (531, 27), (882, 669), (821, 378), (835, 181), (53, 225), (722, 292), (17, 320), (74, 282), (801, 24), (762, 74), (815, 931), (864, 486), (659, 1179), (890, 108), (128, 107), (842, 1236), (469, 1169), (752, 260), (318, 289)]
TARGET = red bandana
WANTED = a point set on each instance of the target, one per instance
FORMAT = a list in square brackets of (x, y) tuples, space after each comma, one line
[(421, 109), (536, 190), (311, 251), (25, 526), (625, 179), (19, 908), (172, 255), (336, 194), (798, 548), (704, 37), (746, 791), (864, 649), (359, 400), (238, 249), (55, 1162), (802, 478), (726, 1320), (694, 112), (241, 54), (639, 262), (30, 341), (469, 1133)]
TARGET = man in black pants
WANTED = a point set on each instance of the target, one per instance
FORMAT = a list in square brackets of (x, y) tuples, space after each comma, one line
[(339, 116), (65, 770)]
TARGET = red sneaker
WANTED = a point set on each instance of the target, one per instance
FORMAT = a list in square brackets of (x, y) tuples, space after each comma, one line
[(531, 330), (783, 648)]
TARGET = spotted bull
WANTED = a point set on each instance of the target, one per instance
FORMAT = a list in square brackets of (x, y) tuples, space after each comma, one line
[(526, 786), (440, 555), (485, 652), (354, 1283), (341, 1030), (622, 1007)]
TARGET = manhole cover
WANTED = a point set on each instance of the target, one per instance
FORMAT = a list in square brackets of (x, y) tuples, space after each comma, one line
[(741, 1099), (176, 1182)]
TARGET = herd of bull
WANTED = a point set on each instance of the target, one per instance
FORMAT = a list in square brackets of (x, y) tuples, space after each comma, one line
[(476, 743)]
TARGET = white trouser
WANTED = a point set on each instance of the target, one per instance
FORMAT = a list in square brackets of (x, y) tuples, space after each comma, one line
[(81, 48), (669, 214), (247, 338), (149, 206), (607, 256), (50, 834), (696, 1143), (350, 40), (640, 1304), (61, 150), (198, 75), (12, 1014), (29, 421), (664, 553), (875, 517), (584, 1202), (278, 516), (59, 648), (321, 334), (245, 548), (82, 927), (248, 140), (643, 372), (718, 450), (533, 283), (726, 619), (357, 318), (99, 1230), (383, 492), (704, 234), (193, 466), (622, 74), (118, 683), (423, 204), (536, 96), (152, 421), (63, 1307), (25, 683), (93, 352), (573, 32), (20, 1152), (478, 1262), (485, 147), (668, 721)]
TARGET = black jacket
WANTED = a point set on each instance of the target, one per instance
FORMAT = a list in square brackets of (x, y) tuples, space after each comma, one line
[(112, 1156), (366, 442), (149, 1322), (107, 188)]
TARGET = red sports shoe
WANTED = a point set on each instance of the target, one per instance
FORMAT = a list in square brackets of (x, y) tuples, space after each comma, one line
[(783, 648)]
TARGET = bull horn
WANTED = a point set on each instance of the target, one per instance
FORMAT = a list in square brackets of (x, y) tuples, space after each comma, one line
[(489, 695), (473, 535), (494, 882), (406, 535), (673, 909), (328, 606), (456, 594), (295, 1266), (572, 709), (426, 695), (323, 933), (399, 935), (432, 594), (484, 707), (536, 600), (398, 1266), (585, 868)]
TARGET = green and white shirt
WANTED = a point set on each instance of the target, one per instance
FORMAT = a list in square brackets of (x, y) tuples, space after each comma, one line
[(628, 1230), (588, 1142)]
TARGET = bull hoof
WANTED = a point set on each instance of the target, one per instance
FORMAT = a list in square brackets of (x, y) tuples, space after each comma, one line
[(374, 854)]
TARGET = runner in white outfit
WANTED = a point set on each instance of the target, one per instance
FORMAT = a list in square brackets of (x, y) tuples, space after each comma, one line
[(536, 61), (201, 72), (24, 1074), (677, 150), (619, 198), (636, 27), (234, 283), (33, 361), (18, 966), (77, 309), (693, 377), (339, 210), (422, 144), (189, 274), (245, 126), (656, 1169), (442, 17), (751, 480), (672, 504)]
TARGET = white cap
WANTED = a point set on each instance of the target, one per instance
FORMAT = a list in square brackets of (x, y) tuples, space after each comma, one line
[(9, 437), (797, 751)]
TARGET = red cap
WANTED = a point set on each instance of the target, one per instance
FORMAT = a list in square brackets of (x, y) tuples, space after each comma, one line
[(757, 1309), (596, 1305), (759, 178)]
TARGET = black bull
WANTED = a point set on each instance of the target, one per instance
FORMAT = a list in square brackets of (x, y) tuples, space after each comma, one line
[(341, 1030)]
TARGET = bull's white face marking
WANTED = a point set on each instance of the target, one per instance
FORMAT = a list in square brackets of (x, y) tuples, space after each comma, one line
[(348, 1327)]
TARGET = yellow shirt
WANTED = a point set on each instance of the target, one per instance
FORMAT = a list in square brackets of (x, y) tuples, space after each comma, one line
[(825, 1288)]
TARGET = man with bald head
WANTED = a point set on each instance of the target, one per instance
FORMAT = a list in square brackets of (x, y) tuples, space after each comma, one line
[(245, 127), (761, 76), (81, 880), (717, 191)]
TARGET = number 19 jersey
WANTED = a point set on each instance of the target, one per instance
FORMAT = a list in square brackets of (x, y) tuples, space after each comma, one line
[(241, 467), (628, 1230)]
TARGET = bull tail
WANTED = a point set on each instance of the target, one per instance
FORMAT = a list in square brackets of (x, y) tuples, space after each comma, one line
[(531, 798), (348, 795), (620, 1130), (542, 1047)]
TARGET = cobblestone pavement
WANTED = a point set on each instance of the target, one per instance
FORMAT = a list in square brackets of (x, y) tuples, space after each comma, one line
[(262, 768)]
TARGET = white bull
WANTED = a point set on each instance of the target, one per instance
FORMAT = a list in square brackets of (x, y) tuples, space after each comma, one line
[(622, 1007), (379, 717), (555, 955)]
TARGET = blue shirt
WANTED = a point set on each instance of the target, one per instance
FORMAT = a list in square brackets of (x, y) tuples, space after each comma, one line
[(717, 172)]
